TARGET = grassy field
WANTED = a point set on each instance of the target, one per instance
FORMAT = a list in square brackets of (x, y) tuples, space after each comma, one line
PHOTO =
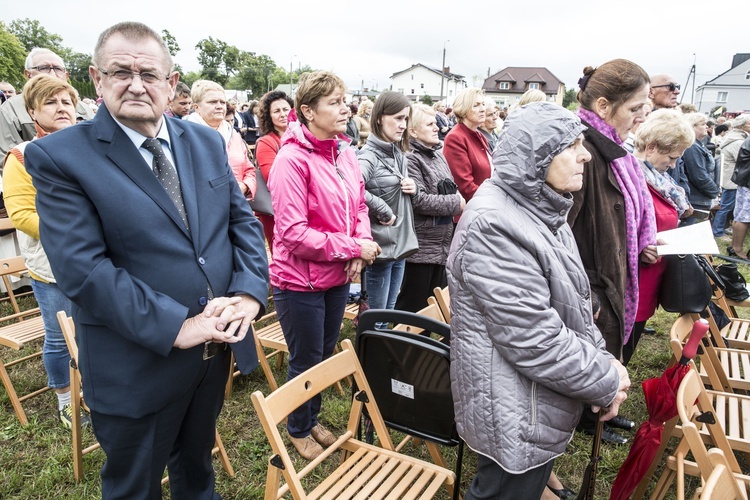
[(35, 461)]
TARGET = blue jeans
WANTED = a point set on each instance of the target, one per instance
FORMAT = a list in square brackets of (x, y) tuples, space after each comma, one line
[(311, 322), (55, 355), (728, 197), (383, 280)]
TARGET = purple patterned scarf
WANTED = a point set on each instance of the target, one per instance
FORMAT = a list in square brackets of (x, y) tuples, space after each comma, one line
[(640, 225)]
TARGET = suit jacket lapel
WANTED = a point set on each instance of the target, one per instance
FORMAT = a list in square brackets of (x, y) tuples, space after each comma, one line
[(181, 152), (126, 156)]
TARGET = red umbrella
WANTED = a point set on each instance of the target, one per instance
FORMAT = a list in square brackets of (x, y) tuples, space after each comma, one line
[(661, 402)]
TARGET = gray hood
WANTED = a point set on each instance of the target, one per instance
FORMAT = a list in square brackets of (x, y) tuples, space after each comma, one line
[(532, 135)]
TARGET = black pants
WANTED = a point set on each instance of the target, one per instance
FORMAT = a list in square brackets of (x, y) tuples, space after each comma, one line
[(180, 436), (493, 482), (418, 283)]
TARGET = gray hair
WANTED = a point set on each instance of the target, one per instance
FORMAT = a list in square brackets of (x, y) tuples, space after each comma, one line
[(38, 51), (741, 120), (132, 31)]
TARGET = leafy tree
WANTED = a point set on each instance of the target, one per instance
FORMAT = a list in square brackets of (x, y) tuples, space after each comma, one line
[(569, 98), (171, 42), (218, 59), (12, 58), (426, 99), (258, 74), (190, 78), (78, 66), (32, 34)]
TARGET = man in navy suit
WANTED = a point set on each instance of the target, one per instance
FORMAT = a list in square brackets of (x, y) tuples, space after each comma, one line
[(149, 236)]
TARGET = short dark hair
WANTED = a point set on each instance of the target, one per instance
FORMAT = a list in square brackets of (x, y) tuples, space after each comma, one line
[(266, 122), (181, 90), (389, 103), (617, 81)]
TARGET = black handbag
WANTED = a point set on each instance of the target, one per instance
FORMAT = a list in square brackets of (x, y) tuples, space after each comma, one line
[(685, 287), (734, 283)]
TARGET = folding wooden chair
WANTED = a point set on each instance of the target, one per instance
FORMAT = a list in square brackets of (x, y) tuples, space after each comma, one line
[(442, 299), (76, 397), (24, 327), (365, 471), (431, 311), (727, 427), (410, 376)]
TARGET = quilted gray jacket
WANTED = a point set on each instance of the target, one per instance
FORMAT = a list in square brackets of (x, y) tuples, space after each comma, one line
[(525, 353)]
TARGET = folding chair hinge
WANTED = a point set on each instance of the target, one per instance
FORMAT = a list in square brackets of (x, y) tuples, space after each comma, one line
[(73, 364), (361, 396), (276, 462), (706, 418)]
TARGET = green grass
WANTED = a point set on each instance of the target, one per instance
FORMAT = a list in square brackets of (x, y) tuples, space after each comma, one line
[(35, 461)]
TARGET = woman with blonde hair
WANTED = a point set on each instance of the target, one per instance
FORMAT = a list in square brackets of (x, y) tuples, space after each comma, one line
[(435, 204), (362, 120), (51, 103), (466, 149), (210, 102), (659, 143)]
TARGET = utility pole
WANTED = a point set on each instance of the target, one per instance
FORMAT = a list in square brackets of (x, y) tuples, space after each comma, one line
[(442, 72)]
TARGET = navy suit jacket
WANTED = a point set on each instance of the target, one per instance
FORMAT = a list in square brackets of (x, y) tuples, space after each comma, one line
[(121, 253)]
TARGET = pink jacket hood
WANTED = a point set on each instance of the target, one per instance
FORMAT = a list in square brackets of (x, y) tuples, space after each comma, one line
[(318, 198)]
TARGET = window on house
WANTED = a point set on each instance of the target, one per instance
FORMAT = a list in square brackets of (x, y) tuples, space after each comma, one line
[(412, 77), (722, 97), (421, 85), (534, 85), (504, 86), (747, 76), (450, 92), (412, 92), (401, 91)]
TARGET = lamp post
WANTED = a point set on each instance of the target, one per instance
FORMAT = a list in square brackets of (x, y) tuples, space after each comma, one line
[(291, 84), (442, 71)]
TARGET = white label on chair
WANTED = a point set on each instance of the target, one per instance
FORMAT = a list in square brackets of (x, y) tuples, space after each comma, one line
[(402, 389)]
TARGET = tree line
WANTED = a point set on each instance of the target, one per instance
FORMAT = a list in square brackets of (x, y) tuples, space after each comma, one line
[(231, 67)]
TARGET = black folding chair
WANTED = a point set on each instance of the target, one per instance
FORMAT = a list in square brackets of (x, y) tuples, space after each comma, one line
[(409, 376)]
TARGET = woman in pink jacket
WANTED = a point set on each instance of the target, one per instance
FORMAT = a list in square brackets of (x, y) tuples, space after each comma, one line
[(321, 238)]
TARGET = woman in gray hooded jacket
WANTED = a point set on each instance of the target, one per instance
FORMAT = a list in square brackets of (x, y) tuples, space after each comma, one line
[(525, 353)]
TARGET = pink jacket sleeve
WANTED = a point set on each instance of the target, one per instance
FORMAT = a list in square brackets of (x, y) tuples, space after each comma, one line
[(243, 168), (289, 195)]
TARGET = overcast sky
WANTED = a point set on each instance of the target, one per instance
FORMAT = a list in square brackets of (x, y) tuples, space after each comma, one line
[(369, 41)]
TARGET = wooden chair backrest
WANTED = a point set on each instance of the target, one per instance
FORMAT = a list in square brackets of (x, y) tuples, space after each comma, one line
[(8, 267), (693, 401), (431, 311), (68, 328), (721, 484), (442, 297), (709, 358)]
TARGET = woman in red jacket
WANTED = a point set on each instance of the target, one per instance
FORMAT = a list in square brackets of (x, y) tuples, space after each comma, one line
[(274, 112), (659, 143), (465, 147)]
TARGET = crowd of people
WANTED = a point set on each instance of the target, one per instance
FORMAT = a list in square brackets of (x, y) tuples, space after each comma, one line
[(162, 263)]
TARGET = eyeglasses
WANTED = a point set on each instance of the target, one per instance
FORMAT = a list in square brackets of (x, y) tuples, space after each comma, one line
[(672, 86), (125, 75), (46, 68)]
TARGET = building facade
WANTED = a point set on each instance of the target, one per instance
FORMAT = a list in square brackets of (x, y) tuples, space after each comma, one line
[(509, 84), (420, 80), (728, 92)]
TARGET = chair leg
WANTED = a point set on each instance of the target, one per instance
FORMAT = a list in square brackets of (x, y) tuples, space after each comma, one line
[(230, 379), (223, 457), (75, 395), (13, 396)]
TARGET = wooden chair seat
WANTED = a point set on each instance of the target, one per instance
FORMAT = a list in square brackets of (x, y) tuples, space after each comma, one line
[(737, 332), (25, 327), (351, 311)]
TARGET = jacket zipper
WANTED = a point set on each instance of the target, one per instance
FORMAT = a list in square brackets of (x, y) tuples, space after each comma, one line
[(343, 191), (533, 403)]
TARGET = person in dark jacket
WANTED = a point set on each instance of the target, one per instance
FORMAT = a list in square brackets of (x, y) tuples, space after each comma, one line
[(614, 205), (525, 352), (701, 171), (433, 211)]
